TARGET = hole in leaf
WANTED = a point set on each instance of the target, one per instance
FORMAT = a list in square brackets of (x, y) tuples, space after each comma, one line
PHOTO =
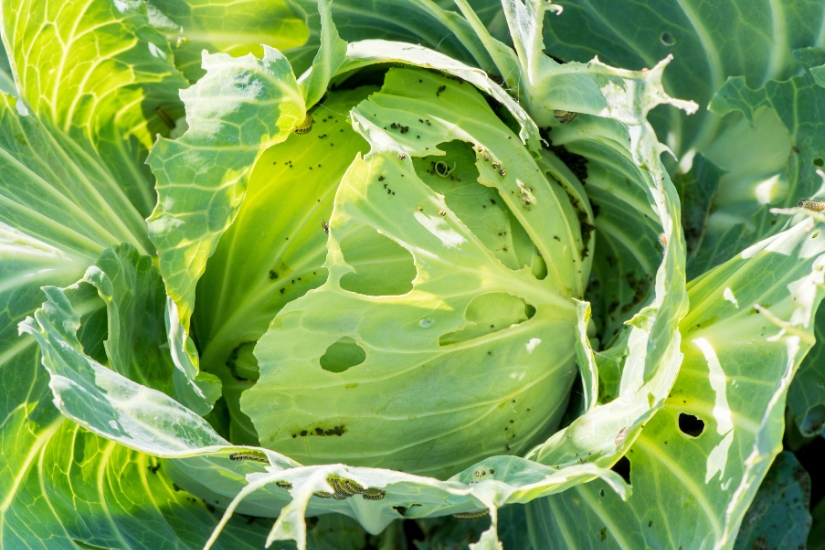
[(342, 355), (382, 266), (490, 313), (818, 162), (622, 467), (691, 425), (667, 39), (455, 176)]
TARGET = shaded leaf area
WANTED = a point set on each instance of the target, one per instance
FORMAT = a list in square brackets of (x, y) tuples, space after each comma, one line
[(413, 21), (697, 190), (101, 74), (786, 99), (740, 220), (702, 472), (710, 41), (225, 26), (779, 515), (806, 399), (628, 252)]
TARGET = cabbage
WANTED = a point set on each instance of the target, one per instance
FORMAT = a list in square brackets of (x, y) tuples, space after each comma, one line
[(334, 273)]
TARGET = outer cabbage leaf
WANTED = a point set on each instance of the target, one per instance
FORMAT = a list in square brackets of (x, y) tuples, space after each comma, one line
[(415, 21), (763, 128), (779, 515), (756, 309), (101, 74), (112, 406), (202, 174), (60, 209), (225, 26)]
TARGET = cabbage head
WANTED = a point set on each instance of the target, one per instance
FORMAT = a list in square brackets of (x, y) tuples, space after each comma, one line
[(410, 273)]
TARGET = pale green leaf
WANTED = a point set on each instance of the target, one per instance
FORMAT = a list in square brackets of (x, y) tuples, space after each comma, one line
[(331, 53), (267, 258), (101, 74), (238, 109)]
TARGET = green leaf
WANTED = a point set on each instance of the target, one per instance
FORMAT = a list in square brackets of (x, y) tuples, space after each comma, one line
[(225, 26), (241, 107), (132, 289), (330, 55), (706, 41), (806, 398), (250, 276), (756, 309), (697, 190), (100, 73), (779, 516), (747, 220), (415, 326), (410, 21)]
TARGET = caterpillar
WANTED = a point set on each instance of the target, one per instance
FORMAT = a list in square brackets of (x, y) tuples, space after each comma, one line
[(813, 206), (305, 127), (472, 515), (254, 456), (346, 486), (373, 494)]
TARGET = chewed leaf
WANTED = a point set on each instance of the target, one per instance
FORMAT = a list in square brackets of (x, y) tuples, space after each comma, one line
[(504, 335), (238, 109), (711, 444), (228, 26), (369, 52)]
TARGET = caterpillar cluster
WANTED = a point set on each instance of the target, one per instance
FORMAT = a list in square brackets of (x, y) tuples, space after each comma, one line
[(346, 488)]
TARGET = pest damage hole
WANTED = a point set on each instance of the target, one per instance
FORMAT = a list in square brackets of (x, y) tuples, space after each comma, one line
[(454, 175), (622, 467), (342, 355), (490, 313), (667, 39), (691, 425), (382, 266)]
